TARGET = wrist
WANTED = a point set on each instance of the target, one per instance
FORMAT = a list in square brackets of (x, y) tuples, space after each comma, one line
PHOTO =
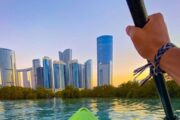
[(155, 51), (160, 53), (165, 58)]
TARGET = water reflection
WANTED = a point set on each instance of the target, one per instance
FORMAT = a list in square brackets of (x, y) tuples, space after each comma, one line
[(17, 109), (104, 109), (93, 105), (133, 108)]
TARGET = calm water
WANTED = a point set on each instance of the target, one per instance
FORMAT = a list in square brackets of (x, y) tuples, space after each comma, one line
[(104, 109)]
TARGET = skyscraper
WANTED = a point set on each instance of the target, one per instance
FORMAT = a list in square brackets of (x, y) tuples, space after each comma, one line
[(40, 77), (104, 59), (66, 74), (74, 73), (88, 74), (61, 56), (25, 77), (8, 67), (81, 76), (48, 74), (36, 64), (0, 79), (66, 56), (59, 78)]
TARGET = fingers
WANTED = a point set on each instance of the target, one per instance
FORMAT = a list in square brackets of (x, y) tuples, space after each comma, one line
[(155, 17), (133, 31), (154, 20)]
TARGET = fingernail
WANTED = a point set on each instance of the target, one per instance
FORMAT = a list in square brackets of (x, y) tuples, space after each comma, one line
[(130, 31)]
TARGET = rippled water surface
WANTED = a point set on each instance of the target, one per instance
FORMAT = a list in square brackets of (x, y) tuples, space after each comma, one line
[(104, 109)]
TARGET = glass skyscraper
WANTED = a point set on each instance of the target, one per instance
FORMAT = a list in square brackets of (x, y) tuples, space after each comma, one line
[(40, 77), (25, 77), (36, 64), (48, 74), (7, 67), (66, 74), (88, 74), (65, 56), (81, 76), (61, 56), (74, 73), (0, 79), (59, 78), (104, 59)]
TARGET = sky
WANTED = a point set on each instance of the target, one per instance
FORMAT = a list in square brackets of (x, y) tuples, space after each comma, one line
[(37, 28)]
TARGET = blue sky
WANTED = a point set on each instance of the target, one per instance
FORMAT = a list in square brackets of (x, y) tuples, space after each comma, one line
[(37, 28)]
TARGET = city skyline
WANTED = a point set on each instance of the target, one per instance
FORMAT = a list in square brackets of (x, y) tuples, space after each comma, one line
[(48, 27), (53, 74)]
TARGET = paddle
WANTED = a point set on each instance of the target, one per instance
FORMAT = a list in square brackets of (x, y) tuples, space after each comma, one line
[(139, 16)]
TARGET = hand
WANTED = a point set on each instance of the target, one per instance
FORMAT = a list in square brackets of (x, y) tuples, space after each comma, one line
[(149, 39)]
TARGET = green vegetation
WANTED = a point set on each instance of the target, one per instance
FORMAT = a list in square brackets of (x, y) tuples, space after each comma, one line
[(16, 93), (126, 90), (70, 92)]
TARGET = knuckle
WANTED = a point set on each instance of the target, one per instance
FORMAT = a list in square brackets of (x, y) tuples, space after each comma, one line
[(156, 16), (159, 16)]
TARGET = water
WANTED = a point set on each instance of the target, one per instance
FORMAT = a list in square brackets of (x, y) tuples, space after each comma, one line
[(104, 109)]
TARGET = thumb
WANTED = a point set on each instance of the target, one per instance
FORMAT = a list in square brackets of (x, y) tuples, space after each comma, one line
[(131, 31)]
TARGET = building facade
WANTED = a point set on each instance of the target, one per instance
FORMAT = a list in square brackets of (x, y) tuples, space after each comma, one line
[(104, 59), (40, 77), (88, 74), (66, 75), (61, 56), (74, 73), (8, 67), (81, 76), (36, 64), (59, 77), (48, 73), (0, 78), (65, 56), (25, 78)]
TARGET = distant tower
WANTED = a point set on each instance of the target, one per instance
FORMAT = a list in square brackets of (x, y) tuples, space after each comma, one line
[(0, 78), (36, 64), (59, 78), (88, 74), (61, 56), (8, 67), (74, 73), (66, 56), (81, 76), (40, 77), (48, 74), (66, 74), (25, 78), (104, 59)]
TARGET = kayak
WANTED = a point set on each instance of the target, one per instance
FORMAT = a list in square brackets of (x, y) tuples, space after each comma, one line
[(83, 114)]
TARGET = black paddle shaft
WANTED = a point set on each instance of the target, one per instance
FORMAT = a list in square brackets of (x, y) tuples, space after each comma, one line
[(139, 16)]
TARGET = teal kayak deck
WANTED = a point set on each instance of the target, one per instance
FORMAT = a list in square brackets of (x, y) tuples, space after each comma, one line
[(83, 114)]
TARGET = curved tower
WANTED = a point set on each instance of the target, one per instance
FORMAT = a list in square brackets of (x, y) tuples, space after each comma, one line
[(7, 67)]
